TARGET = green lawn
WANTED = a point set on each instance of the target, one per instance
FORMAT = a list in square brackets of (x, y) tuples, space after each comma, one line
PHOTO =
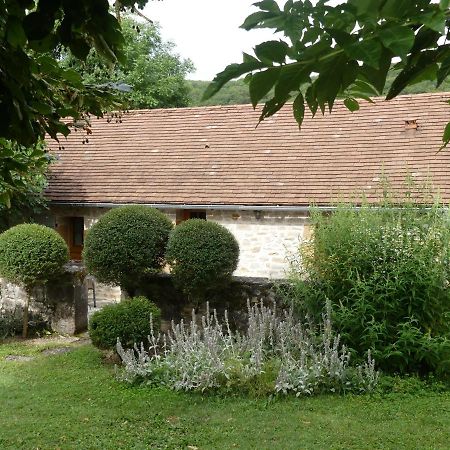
[(72, 401)]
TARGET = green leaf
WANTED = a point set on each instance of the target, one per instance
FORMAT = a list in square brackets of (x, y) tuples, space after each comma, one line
[(395, 9), (349, 74), (443, 71), (411, 72), (341, 37), (41, 108), (444, 4), (290, 78), (272, 51), (254, 20), (79, 48), (365, 88), (398, 39), (72, 76), (435, 21), (446, 136), (329, 82), (377, 77), (271, 107), (351, 104), (268, 5), (365, 7), (368, 51), (298, 108), (261, 83), (230, 72), (15, 34), (428, 74), (311, 99)]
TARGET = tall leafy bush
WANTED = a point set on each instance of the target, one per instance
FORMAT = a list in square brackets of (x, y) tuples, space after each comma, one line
[(386, 273), (126, 244), (203, 255), (30, 255)]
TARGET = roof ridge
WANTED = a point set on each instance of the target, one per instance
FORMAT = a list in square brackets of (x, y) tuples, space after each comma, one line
[(249, 105)]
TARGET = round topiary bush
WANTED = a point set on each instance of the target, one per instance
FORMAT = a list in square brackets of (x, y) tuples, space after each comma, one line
[(129, 321), (125, 244), (203, 255), (30, 255)]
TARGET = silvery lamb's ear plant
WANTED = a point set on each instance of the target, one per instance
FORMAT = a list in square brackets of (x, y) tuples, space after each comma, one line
[(304, 359)]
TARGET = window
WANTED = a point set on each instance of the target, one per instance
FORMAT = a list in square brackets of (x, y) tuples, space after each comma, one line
[(198, 215), (186, 214)]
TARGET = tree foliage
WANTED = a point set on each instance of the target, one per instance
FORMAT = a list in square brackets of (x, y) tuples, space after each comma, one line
[(154, 73), (35, 91), (22, 181), (342, 51)]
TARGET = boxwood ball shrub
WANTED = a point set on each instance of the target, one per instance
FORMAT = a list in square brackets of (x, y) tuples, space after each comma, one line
[(30, 255), (129, 321), (125, 244), (203, 255)]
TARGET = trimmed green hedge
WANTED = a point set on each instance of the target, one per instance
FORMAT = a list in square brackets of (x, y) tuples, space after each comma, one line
[(203, 256), (128, 320), (125, 244), (31, 254)]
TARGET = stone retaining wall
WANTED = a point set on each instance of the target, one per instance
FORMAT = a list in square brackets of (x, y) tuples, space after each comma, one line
[(61, 305)]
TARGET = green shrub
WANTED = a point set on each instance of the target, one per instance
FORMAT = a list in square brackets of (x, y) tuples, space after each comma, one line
[(129, 321), (385, 271), (203, 255), (30, 255), (126, 244)]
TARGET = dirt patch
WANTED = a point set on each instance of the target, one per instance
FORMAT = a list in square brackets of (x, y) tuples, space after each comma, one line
[(57, 350), (18, 358)]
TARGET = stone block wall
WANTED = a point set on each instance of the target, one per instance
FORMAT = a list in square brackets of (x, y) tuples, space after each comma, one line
[(235, 298), (61, 305), (267, 240)]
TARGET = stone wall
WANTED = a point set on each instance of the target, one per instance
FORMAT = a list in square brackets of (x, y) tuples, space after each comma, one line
[(235, 298), (266, 239), (61, 305)]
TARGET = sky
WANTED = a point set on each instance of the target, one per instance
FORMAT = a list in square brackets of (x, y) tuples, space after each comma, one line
[(207, 31)]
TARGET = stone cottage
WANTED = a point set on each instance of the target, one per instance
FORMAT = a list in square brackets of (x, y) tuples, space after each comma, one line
[(259, 181)]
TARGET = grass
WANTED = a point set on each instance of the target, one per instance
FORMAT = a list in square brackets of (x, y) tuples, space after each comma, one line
[(72, 401)]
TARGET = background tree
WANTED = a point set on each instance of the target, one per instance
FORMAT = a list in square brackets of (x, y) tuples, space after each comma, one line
[(233, 93), (155, 74), (36, 92), (30, 255), (342, 51), (22, 181)]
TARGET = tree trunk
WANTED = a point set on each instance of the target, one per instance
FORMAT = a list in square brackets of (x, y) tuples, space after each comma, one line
[(25, 315)]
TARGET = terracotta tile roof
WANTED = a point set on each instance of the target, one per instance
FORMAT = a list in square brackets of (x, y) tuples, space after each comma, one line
[(215, 156)]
